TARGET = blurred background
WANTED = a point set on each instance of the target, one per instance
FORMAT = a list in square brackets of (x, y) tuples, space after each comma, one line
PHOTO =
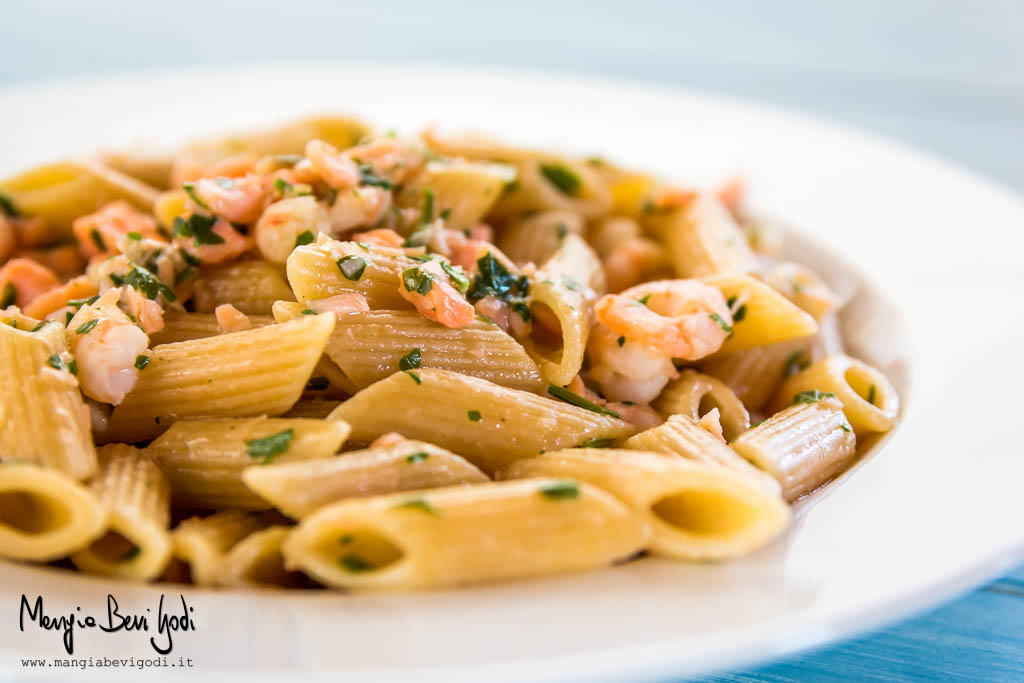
[(940, 74)]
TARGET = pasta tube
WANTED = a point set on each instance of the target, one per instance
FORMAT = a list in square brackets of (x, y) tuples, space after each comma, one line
[(534, 238), (435, 537), (201, 544), (755, 374), (803, 446), (703, 239), (297, 489), (315, 272), (137, 544), (180, 327), (868, 397), (463, 190), (694, 395), (256, 372), (256, 560), (250, 286), (698, 511), (204, 459), (45, 514), (489, 425), (555, 184), (767, 318)]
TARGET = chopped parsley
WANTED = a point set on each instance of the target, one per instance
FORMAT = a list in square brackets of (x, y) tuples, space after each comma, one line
[(7, 206), (644, 299), (845, 427), (812, 396), (41, 325), (563, 394), (190, 190), (317, 384), (474, 415), (410, 361), (304, 237), (418, 456), (352, 267), (355, 564), (565, 179), (418, 504), (523, 310), (458, 279), (428, 206), (199, 227), (572, 285), (269, 447), (86, 328), (78, 303), (366, 177), (308, 311), (597, 443), (560, 490), (445, 214), (289, 190), (562, 231), (721, 322), (415, 377), (73, 367), (56, 362), (496, 280), (135, 236), (794, 363), (740, 314), (97, 239), (417, 280), (141, 362), (621, 341), (871, 395), (187, 273), (147, 283), (9, 295)]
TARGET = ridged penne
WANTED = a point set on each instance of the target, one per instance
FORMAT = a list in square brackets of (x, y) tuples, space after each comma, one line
[(257, 372), (535, 237), (297, 489), (681, 435), (256, 560), (314, 273), (802, 446), (868, 397), (463, 190), (755, 374), (703, 239), (489, 425), (803, 287), (555, 184), (45, 514), (694, 394), (179, 326), (202, 543), (62, 192), (698, 511), (768, 317), (250, 286), (136, 544), (43, 418), (204, 459), (439, 537)]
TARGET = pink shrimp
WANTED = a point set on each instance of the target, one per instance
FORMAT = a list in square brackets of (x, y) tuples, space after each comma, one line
[(64, 259), (102, 231), (627, 371), (337, 170), (234, 244), (232, 167), (22, 280), (106, 345), (391, 158), (632, 260), (33, 232), (382, 237), (387, 440), (358, 206), (679, 318), (643, 416), (81, 287), (230, 319), (711, 422), (239, 200), (426, 287), (340, 304), (148, 312)]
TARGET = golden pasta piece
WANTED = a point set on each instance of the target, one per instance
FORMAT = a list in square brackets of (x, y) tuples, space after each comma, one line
[(681, 435), (43, 418), (440, 537), (45, 514), (768, 317), (755, 374), (868, 397), (699, 511), (555, 183), (201, 544), (257, 372), (297, 489), (137, 544), (803, 287), (256, 560), (250, 286), (803, 446), (694, 395), (464, 190), (204, 459), (62, 192), (703, 239), (179, 327), (168, 206), (535, 237), (489, 425), (315, 272)]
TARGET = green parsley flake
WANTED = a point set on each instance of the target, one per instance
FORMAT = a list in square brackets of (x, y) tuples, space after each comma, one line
[(352, 267), (495, 280), (721, 322), (475, 416), (812, 396), (190, 190), (199, 227), (410, 361), (135, 236), (845, 427), (562, 231), (418, 456), (597, 443), (417, 280), (9, 295), (428, 206), (564, 394), (523, 310), (86, 328), (308, 311), (317, 384), (871, 395), (73, 367), (560, 490), (621, 341), (740, 314), (459, 280), (415, 377), (355, 564), (97, 239), (794, 364), (269, 447), (7, 206), (187, 273), (141, 362), (56, 362), (417, 504), (304, 237), (366, 177), (563, 178), (147, 283), (644, 299), (41, 325)]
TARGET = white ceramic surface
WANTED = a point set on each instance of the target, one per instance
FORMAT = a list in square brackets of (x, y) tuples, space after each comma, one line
[(935, 510)]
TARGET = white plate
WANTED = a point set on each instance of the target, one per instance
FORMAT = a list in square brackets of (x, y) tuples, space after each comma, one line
[(935, 510)]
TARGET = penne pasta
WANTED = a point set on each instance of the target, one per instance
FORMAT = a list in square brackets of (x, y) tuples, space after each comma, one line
[(464, 191), (257, 561), (869, 399), (204, 459), (43, 418), (256, 372), (45, 514), (803, 446), (755, 374), (534, 238), (489, 425), (136, 544), (435, 537), (548, 184), (314, 273), (299, 488), (250, 286), (703, 239), (201, 544), (767, 318), (698, 511), (179, 327), (694, 395)]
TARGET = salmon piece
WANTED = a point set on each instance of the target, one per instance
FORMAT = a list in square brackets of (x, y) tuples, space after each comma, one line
[(81, 287), (99, 232), (22, 280)]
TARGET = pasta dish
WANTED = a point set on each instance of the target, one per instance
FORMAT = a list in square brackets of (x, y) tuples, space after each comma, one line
[(324, 355)]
